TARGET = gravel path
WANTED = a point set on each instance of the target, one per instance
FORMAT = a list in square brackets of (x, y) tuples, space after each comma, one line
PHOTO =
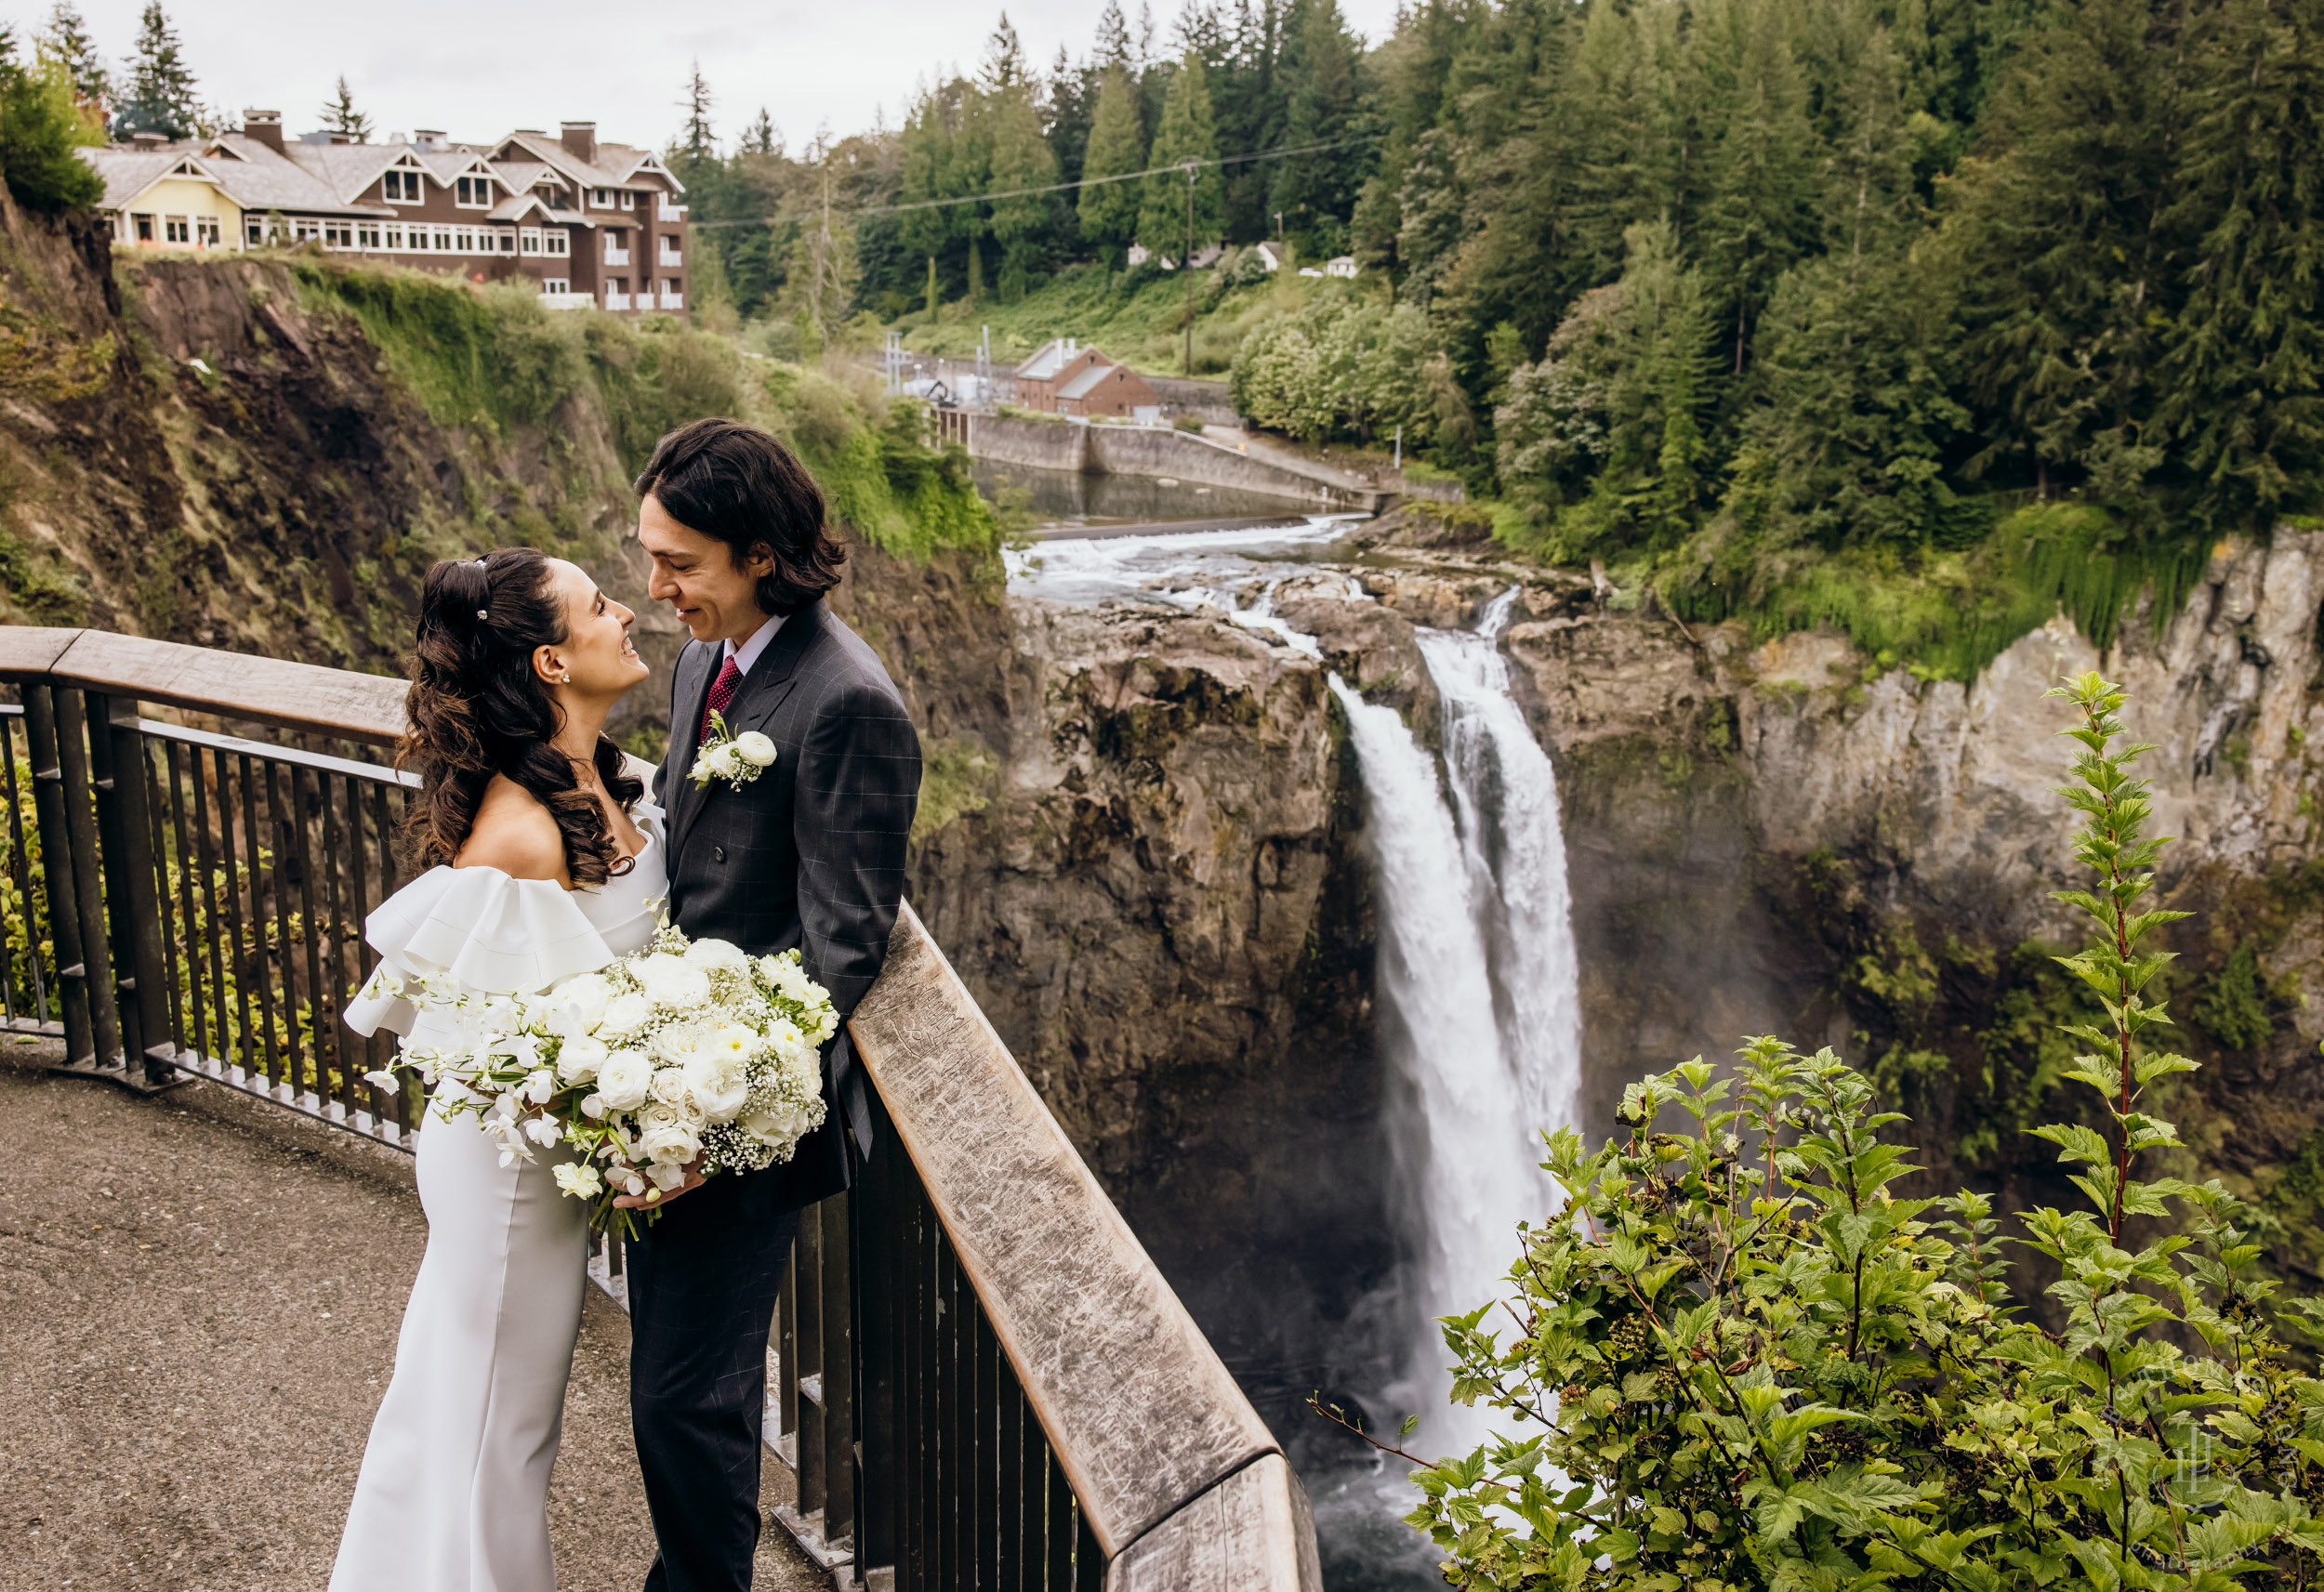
[(199, 1299)]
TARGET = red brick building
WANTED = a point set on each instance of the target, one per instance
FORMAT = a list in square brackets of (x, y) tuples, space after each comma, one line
[(1063, 377)]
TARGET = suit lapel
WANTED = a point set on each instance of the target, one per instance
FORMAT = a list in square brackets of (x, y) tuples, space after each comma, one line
[(762, 691), (690, 689)]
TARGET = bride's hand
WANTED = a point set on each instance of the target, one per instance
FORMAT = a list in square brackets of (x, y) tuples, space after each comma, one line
[(695, 1179)]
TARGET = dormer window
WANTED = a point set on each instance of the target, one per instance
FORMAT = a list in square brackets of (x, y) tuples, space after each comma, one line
[(600, 199), (399, 187), (472, 192)]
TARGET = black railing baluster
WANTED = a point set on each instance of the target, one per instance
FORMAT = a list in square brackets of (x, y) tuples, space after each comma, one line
[(180, 939), (266, 1058), (60, 877), (945, 1439), (359, 912), (837, 1342), (985, 1460), (807, 1277), (1088, 1559), (322, 1018), (1008, 1476), (1062, 1525), (407, 1101), (217, 1036), (786, 1357), (129, 841), (914, 1566), (290, 934), (88, 890)]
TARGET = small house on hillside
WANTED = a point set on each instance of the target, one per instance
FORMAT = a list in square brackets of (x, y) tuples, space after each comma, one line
[(1104, 389)]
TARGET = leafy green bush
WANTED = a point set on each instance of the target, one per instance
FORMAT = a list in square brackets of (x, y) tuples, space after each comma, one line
[(1751, 1364), (43, 130), (1341, 367), (2231, 1010)]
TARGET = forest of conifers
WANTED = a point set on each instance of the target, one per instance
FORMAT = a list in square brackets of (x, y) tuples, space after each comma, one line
[(1728, 286)]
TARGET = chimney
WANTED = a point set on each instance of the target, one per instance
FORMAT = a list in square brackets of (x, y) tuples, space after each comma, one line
[(264, 127), (580, 140), (429, 138), (149, 140)]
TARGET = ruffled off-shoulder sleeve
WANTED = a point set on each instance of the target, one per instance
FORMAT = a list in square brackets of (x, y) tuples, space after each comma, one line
[(481, 928)]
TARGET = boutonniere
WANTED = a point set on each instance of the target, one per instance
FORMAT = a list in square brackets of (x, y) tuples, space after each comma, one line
[(738, 759)]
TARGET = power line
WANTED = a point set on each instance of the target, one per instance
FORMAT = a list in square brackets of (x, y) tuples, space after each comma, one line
[(1061, 187)]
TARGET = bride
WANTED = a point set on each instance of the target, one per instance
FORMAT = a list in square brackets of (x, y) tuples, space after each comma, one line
[(543, 860)]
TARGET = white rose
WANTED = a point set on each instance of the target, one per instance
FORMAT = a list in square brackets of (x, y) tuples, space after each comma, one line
[(720, 1082), (709, 953), (782, 1126), (669, 1089), (624, 1016), (667, 1138), (623, 1079), (676, 1043), (753, 748), (722, 763), (672, 983), (580, 1057), (579, 1179), (578, 1004)]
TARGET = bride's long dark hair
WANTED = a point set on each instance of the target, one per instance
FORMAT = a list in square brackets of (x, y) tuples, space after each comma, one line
[(477, 709)]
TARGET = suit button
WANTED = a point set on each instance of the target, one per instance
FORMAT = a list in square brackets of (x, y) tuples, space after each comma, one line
[(718, 853)]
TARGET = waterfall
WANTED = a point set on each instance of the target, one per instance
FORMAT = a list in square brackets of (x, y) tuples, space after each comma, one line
[(1478, 975)]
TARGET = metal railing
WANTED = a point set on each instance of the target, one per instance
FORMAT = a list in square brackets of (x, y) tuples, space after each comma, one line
[(982, 1381)]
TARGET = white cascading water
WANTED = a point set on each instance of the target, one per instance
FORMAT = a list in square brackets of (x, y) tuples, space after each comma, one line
[(1477, 967)]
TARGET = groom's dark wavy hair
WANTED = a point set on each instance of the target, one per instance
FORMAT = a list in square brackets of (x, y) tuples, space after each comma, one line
[(476, 709), (737, 483)]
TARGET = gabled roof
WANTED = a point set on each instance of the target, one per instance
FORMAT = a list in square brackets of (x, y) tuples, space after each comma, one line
[(1087, 382), (625, 162), (347, 168), (1054, 356), (247, 172)]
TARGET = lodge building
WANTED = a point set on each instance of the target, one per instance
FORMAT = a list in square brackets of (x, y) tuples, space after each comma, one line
[(583, 222)]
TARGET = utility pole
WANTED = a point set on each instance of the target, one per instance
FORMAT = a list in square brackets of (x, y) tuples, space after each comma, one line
[(1186, 264)]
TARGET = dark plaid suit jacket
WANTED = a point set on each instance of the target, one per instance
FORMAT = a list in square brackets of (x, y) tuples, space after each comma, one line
[(808, 854)]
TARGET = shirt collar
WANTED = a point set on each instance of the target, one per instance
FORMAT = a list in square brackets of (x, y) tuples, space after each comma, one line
[(748, 653)]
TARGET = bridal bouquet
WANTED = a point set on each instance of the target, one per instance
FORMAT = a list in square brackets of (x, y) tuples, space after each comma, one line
[(687, 1054)]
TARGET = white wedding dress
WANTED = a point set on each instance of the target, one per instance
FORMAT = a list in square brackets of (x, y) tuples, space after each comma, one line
[(453, 1491)]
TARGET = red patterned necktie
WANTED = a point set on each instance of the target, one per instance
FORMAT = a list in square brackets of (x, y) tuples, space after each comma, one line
[(721, 692)]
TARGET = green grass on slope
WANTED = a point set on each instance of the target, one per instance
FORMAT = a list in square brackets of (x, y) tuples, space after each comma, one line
[(1947, 615), (495, 361), (1137, 316)]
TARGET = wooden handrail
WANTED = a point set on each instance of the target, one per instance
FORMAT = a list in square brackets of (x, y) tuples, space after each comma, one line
[(1179, 1482), (368, 708)]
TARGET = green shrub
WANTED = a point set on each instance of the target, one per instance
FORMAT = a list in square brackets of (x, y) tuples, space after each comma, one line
[(43, 130), (2231, 1010), (1747, 1363), (1188, 423)]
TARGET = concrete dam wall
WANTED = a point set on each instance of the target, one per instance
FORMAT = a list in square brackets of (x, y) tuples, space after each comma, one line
[(1148, 451)]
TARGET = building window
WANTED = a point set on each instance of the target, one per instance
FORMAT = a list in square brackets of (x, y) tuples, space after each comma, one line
[(393, 236), (506, 240), (601, 198), (399, 187), (555, 284), (443, 239), (476, 193), (338, 235), (177, 229), (528, 240), (628, 200), (464, 241), (207, 232), (367, 237), (303, 230), (556, 241), (145, 228)]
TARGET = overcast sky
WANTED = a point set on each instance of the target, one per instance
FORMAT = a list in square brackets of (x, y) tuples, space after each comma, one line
[(478, 68)]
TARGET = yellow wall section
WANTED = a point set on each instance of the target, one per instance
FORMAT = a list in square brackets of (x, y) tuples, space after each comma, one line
[(187, 197)]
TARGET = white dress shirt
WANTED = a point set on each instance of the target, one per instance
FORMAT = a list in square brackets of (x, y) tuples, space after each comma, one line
[(748, 653)]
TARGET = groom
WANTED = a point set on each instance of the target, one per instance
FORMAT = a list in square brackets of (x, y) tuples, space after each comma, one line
[(808, 854)]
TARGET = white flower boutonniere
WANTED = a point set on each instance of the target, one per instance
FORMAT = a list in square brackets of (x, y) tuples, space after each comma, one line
[(738, 759)]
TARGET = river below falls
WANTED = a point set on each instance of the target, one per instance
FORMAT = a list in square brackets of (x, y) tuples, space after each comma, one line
[(1480, 1030)]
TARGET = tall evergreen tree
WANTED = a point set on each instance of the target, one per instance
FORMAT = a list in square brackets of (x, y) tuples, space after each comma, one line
[(1109, 209), (697, 144), (66, 40), (1187, 136), (161, 97), (924, 175), (762, 136), (1114, 46), (1763, 204), (341, 117), (1315, 189), (1022, 159), (2243, 383), (1072, 90), (1004, 67)]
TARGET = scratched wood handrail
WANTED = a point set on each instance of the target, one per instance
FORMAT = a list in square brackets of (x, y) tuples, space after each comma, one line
[(1177, 1480)]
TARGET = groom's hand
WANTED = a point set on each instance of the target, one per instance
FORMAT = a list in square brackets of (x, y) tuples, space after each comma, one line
[(695, 1179)]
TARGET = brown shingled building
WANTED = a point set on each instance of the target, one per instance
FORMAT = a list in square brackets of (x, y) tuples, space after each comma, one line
[(584, 221)]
